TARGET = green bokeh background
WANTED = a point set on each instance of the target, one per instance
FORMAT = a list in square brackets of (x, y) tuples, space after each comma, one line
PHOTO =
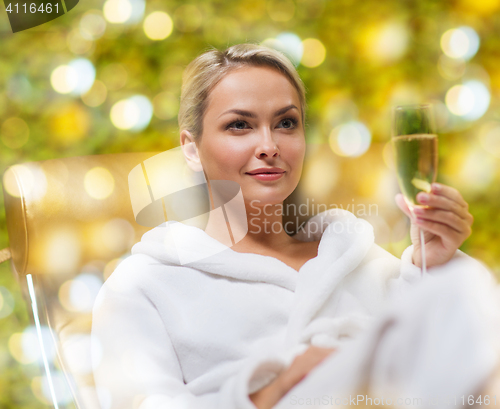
[(360, 79)]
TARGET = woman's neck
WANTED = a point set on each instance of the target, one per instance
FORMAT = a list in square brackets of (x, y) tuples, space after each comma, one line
[(259, 226), (265, 225)]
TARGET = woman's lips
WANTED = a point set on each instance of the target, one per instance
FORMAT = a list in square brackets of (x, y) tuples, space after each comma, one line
[(267, 176)]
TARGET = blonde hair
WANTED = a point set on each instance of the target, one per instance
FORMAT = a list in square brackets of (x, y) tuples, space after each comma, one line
[(208, 69)]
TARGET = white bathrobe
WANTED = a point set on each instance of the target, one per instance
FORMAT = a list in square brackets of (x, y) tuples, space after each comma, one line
[(206, 334)]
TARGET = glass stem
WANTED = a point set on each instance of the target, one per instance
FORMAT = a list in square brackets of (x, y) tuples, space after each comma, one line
[(422, 250)]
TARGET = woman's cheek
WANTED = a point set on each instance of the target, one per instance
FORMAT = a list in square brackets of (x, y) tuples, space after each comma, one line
[(236, 156), (228, 163), (296, 153)]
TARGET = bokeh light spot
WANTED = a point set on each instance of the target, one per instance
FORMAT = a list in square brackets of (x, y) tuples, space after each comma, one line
[(117, 11), (482, 99), (28, 180), (78, 44), (10, 182), (15, 348), (314, 52), (158, 25), (70, 124), (85, 72), (138, 8), (459, 100), (62, 250), (132, 114), (289, 44), (124, 114), (64, 79), (99, 183), (92, 25), (470, 100), (79, 294), (76, 78), (387, 43), (145, 108), (350, 139), (25, 347), (462, 42)]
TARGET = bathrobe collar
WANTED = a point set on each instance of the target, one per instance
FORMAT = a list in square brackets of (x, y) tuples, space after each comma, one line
[(344, 240)]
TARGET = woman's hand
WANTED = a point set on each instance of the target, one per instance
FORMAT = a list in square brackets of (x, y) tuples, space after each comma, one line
[(446, 223), (270, 395)]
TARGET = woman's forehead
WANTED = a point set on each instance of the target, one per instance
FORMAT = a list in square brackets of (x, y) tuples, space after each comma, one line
[(263, 86)]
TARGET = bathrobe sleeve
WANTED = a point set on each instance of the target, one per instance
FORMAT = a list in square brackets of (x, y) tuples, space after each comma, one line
[(460, 264), (135, 364), (341, 311)]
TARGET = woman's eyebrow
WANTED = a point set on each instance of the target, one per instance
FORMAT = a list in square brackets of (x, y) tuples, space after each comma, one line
[(285, 109), (252, 115)]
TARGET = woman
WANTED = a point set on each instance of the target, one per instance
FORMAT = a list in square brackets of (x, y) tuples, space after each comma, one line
[(243, 326)]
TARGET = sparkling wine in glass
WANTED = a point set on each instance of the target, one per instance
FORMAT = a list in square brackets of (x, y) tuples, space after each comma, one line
[(415, 144)]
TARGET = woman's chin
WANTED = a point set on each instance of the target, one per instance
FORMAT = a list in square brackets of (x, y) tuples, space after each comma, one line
[(261, 202), (264, 197)]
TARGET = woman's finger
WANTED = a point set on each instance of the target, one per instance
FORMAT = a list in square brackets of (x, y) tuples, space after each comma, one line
[(450, 193), (443, 203), (400, 201), (446, 233), (443, 217)]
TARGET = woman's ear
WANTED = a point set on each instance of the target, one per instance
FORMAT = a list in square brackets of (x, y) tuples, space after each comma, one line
[(190, 151)]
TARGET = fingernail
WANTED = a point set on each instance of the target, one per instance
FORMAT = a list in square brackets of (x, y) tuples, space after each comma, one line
[(423, 197), (419, 221), (418, 210), (436, 187)]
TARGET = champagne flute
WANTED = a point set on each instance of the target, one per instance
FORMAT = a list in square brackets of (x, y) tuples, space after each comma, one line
[(415, 144)]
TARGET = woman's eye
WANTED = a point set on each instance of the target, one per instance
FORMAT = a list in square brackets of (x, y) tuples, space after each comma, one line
[(288, 123), (237, 125)]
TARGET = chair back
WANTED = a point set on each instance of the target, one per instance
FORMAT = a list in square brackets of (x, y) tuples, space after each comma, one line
[(70, 221)]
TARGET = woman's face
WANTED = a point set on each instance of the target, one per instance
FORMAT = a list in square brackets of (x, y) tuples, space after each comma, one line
[(253, 121)]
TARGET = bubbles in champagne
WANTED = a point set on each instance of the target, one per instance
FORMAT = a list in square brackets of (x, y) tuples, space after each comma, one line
[(416, 164)]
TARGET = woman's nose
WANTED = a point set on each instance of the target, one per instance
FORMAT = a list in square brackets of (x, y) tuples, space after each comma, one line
[(267, 144)]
